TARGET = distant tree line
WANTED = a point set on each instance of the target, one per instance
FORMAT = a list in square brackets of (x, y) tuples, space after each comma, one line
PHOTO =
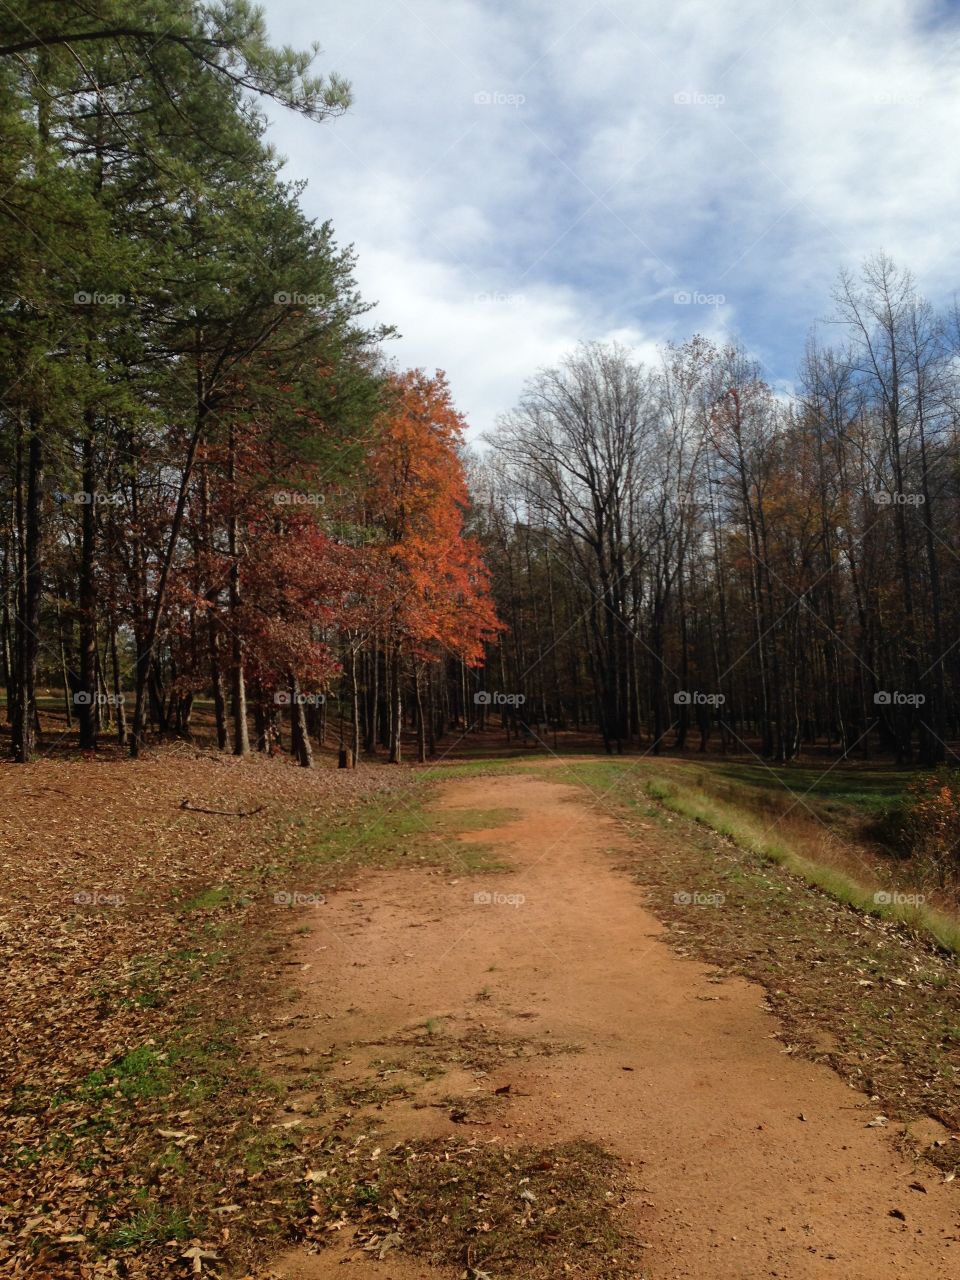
[(680, 554)]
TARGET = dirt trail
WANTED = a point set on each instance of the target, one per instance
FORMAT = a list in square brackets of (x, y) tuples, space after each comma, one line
[(749, 1163)]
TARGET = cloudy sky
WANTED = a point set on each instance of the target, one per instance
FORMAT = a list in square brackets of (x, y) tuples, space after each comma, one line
[(518, 176)]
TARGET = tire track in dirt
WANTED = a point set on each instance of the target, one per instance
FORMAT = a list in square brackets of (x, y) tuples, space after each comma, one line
[(748, 1162)]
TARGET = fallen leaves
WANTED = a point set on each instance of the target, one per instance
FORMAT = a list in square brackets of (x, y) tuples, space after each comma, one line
[(531, 1213), (127, 1096)]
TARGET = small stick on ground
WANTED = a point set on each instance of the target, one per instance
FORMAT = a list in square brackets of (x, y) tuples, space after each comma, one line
[(223, 813)]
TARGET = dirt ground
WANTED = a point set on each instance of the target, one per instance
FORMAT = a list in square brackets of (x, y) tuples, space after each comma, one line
[(745, 1162)]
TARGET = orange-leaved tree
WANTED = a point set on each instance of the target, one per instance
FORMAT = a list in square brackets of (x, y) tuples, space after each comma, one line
[(433, 586)]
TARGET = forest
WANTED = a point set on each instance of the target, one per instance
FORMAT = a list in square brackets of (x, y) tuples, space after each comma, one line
[(226, 509), (680, 552)]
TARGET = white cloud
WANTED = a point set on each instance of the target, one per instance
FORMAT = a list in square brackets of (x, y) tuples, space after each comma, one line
[(812, 136), (487, 341)]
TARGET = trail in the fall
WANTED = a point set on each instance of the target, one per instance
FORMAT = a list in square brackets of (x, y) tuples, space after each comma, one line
[(749, 1162)]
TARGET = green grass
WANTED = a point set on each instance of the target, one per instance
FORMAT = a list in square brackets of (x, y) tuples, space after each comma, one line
[(614, 778), (857, 802), (870, 791), (210, 899), (852, 795), (751, 835), (479, 768), (263, 1147), (192, 1071), (850, 798), (403, 833), (142, 1073), (152, 1225)]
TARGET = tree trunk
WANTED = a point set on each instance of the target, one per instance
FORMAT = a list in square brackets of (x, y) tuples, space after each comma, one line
[(87, 708), (354, 702), (147, 646), (212, 594), (300, 738), (117, 688), (396, 707), (67, 693), (27, 620), (431, 715), (421, 728), (241, 740)]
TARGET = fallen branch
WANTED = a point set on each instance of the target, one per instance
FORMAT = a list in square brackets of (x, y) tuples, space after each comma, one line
[(223, 813)]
